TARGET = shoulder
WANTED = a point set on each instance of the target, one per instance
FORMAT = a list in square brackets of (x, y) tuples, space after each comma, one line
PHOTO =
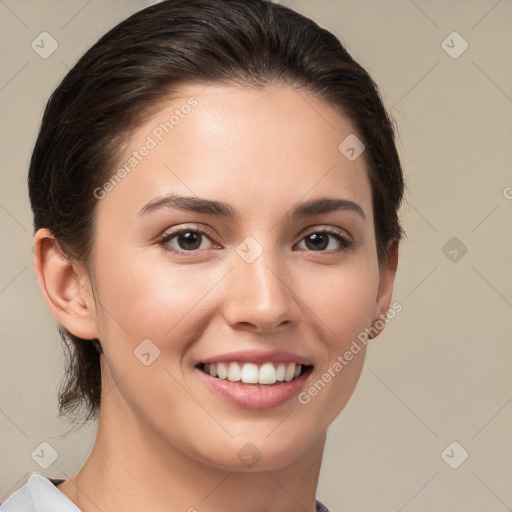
[(38, 494)]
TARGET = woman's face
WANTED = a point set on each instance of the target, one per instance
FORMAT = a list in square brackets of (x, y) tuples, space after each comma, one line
[(236, 278)]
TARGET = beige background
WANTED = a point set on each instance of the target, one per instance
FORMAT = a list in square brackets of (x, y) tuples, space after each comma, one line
[(442, 369)]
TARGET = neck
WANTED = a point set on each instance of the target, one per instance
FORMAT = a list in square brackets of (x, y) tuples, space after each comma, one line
[(131, 468)]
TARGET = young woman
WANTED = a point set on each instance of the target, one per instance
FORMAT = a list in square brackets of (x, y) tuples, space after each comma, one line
[(215, 190)]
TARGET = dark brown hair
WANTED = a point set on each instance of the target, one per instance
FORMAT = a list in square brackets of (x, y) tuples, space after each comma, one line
[(136, 66)]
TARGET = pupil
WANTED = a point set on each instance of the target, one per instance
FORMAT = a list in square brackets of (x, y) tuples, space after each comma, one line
[(190, 238), (315, 238)]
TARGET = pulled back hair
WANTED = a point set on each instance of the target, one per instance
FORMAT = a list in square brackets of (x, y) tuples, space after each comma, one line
[(136, 66)]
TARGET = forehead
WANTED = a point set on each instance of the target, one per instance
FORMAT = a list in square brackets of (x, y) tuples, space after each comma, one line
[(236, 142)]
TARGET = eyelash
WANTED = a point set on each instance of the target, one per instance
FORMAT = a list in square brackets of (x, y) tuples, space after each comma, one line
[(345, 243)]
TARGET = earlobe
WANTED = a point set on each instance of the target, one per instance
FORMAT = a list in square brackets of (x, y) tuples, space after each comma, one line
[(64, 286), (385, 291)]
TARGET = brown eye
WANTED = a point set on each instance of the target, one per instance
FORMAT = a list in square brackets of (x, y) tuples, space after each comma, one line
[(319, 241), (185, 240)]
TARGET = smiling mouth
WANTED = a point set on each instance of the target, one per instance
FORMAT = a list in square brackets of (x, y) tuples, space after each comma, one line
[(266, 374)]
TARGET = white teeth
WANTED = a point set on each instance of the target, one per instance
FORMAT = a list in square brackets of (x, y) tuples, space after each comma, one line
[(234, 372), (267, 374), (290, 372), (222, 370), (280, 373), (250, 373)]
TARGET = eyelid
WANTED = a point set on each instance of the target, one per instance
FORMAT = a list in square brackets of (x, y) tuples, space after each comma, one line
[(329, 229)]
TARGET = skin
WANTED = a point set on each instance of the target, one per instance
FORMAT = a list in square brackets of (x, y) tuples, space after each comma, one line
[(163, 436)]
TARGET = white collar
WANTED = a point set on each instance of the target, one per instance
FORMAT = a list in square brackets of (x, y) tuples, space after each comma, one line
[(46, 497)]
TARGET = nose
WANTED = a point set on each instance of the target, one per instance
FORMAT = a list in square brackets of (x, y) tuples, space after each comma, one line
[(260, 295)]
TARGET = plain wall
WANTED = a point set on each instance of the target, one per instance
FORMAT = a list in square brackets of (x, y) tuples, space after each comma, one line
[(442, 369)]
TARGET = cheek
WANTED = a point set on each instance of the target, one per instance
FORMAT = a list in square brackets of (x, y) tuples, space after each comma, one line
[(343, 297), (344, 300), (153, 298)]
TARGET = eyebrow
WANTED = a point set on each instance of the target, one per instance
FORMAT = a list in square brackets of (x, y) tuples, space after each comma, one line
[(225, 210)]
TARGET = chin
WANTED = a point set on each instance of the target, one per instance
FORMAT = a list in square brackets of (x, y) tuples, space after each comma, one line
[(254, 453)]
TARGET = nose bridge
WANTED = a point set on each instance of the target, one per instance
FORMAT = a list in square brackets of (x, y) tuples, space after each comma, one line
[(259, 289)]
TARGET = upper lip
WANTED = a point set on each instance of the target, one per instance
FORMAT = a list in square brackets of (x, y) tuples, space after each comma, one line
[(259, 356)]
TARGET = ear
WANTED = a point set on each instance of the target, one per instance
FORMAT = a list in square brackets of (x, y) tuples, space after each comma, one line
[(65, 287), (385, 291)]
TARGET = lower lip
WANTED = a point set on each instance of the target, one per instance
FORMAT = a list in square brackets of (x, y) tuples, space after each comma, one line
[(254, 397)]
